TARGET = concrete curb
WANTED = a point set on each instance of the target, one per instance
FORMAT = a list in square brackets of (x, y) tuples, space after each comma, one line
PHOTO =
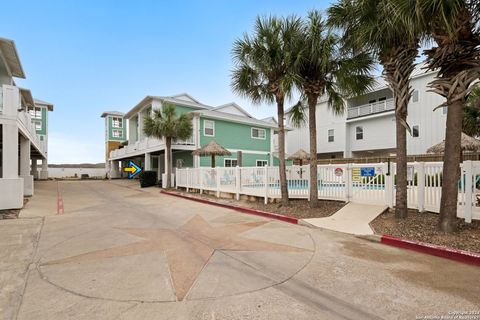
[(427, 248), (435, 250), (236, 208)]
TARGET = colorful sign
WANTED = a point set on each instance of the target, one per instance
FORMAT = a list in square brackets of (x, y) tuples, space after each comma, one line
[(132, 169), (356, 175), (338, 172), (367, 172)]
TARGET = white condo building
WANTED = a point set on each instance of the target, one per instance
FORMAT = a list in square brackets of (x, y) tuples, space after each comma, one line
[(367, 127), (23, 132)]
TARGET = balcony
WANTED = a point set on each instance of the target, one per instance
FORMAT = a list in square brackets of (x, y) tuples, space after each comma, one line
[(148, 145), (371, 108)]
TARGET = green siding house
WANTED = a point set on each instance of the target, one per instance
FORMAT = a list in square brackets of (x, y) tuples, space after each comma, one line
[(229, 125)]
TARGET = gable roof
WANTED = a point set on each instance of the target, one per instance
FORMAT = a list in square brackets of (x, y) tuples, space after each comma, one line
[(232, 105), (172, 99), (186, 97), (271, 119), (9, 54)]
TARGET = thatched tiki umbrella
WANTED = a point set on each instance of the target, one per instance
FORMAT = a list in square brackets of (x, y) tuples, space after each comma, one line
[(467, 144), (212, 149), (300, 155)]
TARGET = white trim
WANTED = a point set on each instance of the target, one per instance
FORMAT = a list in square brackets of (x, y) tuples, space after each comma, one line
[(204, 127), (257, 160), (258, 138), (249, 151), (232, 104)]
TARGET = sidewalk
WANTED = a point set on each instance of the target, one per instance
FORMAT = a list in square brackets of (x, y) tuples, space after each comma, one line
[(354, 218)]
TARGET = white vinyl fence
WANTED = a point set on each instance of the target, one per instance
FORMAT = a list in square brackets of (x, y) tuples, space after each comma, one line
[(363, 183)]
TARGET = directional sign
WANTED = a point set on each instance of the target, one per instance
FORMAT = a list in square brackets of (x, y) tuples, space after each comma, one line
[(367, 171), (132, 169)]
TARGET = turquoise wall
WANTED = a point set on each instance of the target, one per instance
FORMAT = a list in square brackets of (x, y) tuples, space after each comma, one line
[(110, 130), (186, 156), (233, 135)]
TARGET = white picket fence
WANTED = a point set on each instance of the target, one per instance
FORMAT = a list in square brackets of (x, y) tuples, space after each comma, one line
[(363, 183)]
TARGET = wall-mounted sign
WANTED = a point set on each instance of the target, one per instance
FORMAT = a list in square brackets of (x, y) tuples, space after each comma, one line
[(367, 171), (338, 172)]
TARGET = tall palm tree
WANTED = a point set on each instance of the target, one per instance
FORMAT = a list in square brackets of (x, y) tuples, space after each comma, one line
[(453, 25), (263, 71), (326, 69), (471, 113), (373, 25), (166, 124)]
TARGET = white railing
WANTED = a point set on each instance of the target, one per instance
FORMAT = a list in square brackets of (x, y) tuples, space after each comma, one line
[(26, 121), (363, 183), (145, 144), (371, 108)]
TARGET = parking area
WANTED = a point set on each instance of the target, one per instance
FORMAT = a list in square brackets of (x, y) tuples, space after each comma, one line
[(120, 252)]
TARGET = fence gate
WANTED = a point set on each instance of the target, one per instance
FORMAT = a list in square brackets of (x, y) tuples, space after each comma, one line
[(370, 183)]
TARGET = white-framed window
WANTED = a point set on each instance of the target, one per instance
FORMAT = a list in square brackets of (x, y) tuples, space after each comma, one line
[(35, 112), (227, 162), (117, 133), (209, 128), (415, 96), (331, 135), (415, 131), (38, 125), (117, 122), (359, 133), (262, 163), (258, 133)]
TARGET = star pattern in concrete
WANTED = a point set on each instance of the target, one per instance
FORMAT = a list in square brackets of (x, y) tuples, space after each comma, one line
[(187, 248)]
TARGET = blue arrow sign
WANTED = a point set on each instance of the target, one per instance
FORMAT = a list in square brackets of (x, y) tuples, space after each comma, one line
[(132, 169)]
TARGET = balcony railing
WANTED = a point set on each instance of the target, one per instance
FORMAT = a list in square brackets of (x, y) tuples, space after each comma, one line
[(145, 144), (371, 108)]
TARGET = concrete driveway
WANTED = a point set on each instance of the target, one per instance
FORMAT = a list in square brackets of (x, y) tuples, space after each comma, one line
[(120, 252)]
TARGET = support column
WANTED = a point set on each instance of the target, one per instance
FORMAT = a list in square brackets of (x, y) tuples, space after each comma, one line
[(34, 172), (11, 185), (25, 167), (44, 171), (115, 170), (148, 161)]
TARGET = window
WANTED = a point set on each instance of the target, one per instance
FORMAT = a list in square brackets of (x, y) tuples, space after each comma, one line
[(230, 162), (117, 133), (359, 133), (117, 122), (259, 133), (372, 101), (415, 96), (415, 131), (208, 128), (41, 138), (35, 112), (331, 135), (38, 125), (262, 163), (382, 99)]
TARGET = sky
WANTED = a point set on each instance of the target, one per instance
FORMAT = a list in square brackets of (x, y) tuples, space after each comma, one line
[(91, 56)]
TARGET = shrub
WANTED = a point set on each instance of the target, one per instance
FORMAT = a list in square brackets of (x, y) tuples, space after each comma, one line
[(147, 178)]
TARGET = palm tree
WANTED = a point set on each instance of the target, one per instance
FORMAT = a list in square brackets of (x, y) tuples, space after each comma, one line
[(453, 25), (373, 25), (263, 71), (471, 113), (326, 69), (166, 123)]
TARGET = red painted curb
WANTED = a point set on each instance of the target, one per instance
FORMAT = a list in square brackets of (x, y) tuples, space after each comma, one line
[(236, 208), (435, 250)]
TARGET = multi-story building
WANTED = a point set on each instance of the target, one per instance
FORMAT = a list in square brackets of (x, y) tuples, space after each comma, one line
[(367, 127), (23, 134), (229, 125), (115, 131)]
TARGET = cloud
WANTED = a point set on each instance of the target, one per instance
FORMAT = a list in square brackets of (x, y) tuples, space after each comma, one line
[(64, 148)]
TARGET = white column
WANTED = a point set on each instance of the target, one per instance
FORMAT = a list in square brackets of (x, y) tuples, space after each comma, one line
[(44, 171), (10, 151), (25, 166), (148, 161), (34, 169)]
